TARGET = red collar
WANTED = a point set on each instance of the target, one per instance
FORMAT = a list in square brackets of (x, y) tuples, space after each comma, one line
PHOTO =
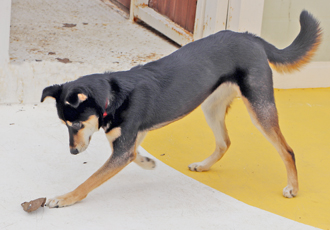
[(105, 111)]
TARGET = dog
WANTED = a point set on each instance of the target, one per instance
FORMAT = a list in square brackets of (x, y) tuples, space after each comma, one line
[(209, 72)]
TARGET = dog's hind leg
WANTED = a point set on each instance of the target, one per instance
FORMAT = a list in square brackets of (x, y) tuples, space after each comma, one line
[(257, 93), (264, 116), (215, 108), (142, 161)]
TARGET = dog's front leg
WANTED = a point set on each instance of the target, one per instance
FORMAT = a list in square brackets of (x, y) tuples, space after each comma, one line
[(118, 160)]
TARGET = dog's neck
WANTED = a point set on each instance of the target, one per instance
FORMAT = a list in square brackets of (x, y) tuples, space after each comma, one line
[(106, 125)]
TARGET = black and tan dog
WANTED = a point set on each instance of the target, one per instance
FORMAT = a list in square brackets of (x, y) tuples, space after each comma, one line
[(211, 71)]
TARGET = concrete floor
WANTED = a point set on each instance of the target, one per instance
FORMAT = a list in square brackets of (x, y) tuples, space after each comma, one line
[(36, 163), (34, 144)]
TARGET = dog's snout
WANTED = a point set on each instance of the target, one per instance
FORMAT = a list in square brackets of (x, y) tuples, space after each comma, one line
[(74, 151)]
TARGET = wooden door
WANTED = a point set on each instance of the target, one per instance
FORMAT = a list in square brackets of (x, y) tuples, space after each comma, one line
[(182, 12)]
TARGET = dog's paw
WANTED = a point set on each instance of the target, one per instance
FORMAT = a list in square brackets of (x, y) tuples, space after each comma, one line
[(145, 162), (54, 203), (197, 167), (60, 201), (289, 192)]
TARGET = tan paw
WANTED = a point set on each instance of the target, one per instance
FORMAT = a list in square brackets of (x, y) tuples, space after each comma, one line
[(145, 162), (289, 192), (61, 201), (198, 167)]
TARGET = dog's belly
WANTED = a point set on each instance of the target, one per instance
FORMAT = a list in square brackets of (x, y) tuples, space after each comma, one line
[(162, 124), (221, 93)]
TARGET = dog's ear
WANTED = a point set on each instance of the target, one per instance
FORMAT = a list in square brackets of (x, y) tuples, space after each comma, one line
[(53, 91), (74, 99)]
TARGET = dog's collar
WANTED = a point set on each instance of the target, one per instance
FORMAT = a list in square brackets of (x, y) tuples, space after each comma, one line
[(105, 110)]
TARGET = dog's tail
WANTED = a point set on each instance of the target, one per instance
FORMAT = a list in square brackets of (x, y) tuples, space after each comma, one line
[(301, 50)]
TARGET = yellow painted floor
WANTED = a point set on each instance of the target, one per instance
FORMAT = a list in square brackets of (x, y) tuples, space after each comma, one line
[(252, 171)]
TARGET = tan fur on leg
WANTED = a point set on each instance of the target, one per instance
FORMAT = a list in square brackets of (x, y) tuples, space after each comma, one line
[(108, 170), (272, 132), (215, 109), (142, 161)]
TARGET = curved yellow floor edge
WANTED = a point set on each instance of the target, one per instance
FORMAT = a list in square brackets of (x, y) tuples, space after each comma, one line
[(252, 171)]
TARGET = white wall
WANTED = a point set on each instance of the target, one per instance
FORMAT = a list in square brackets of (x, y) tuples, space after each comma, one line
[(5, 6), (280, 26)]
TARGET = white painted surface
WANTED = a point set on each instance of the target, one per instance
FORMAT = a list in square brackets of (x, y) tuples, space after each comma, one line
[(313, 75), (35, 162), (211, 17), (245, 15), (5, 6)]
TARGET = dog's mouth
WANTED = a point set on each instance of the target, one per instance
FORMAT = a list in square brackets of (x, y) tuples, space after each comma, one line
[(80, 136), (77, 150)]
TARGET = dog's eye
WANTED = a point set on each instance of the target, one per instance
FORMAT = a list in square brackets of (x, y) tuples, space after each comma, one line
[(76, 125)]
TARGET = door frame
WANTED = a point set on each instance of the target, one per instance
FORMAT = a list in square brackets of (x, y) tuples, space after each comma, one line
[(205, 11)]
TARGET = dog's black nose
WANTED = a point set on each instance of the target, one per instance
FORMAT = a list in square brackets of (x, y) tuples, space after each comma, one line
[(74, 151)]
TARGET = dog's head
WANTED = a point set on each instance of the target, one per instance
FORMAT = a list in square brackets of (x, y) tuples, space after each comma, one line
[(78, 109)]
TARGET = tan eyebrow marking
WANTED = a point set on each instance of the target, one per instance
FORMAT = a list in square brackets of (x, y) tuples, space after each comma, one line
[(82, 97)]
